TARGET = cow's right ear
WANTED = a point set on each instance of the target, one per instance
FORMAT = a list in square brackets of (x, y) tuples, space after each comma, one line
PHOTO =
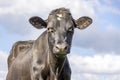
[(38, 22), (83, 22)]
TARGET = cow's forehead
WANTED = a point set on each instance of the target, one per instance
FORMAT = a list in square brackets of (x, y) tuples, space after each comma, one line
[(60, 13), (60, 17)]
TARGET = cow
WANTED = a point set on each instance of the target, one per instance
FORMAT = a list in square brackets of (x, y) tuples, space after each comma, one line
[(47, 58), (17, 48)]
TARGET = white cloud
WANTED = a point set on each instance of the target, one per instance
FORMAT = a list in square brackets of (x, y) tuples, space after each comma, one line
[(3, 65), (108, 64), (40, 7), (97, 67)]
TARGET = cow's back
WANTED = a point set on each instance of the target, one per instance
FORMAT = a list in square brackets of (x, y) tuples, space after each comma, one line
[(17, 48)]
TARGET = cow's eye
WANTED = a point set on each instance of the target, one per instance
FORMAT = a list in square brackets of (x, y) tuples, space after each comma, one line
[(50, 30), (70, 29)]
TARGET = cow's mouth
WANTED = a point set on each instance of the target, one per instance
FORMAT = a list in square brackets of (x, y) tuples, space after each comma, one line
[(61, 54)]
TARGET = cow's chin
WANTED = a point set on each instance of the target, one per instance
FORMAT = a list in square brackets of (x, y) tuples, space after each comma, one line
[(60, 54)]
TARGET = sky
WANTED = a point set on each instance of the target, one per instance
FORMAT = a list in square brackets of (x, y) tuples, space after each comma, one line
[(95, 52)]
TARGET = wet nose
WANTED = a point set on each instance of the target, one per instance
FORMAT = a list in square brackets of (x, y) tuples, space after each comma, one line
[(61, 47)]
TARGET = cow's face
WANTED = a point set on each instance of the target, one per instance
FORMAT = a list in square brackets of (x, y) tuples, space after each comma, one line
[(60, 28)]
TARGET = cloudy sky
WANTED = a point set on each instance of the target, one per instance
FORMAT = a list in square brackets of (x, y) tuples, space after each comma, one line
[(95, 53)]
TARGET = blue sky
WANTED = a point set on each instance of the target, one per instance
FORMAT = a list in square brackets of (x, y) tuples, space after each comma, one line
[(96, 46)]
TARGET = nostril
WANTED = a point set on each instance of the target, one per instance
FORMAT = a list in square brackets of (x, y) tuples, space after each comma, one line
[(65, 48), (56, 47)]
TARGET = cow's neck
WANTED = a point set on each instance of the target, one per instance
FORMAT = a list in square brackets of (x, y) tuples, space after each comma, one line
[(56, 64), (40, 50)]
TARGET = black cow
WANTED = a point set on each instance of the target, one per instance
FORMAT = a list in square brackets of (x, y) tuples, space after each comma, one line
[(47, 59)]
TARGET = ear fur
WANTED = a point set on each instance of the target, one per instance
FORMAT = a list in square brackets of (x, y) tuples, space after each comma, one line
[(38, 22), (83, 22)]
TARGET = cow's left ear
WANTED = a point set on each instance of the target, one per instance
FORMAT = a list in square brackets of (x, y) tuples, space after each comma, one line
[(83, 22), (38, 22)]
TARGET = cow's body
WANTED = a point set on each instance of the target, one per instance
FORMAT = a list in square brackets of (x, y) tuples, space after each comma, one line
[(47, 60)]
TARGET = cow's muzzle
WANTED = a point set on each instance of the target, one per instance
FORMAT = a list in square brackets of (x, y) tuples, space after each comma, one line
[(60, 49)]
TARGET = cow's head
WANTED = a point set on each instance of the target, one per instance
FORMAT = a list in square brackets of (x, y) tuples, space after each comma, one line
[(60, 27)]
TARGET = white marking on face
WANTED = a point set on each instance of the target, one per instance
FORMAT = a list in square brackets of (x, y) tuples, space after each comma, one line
[(59, 16)]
